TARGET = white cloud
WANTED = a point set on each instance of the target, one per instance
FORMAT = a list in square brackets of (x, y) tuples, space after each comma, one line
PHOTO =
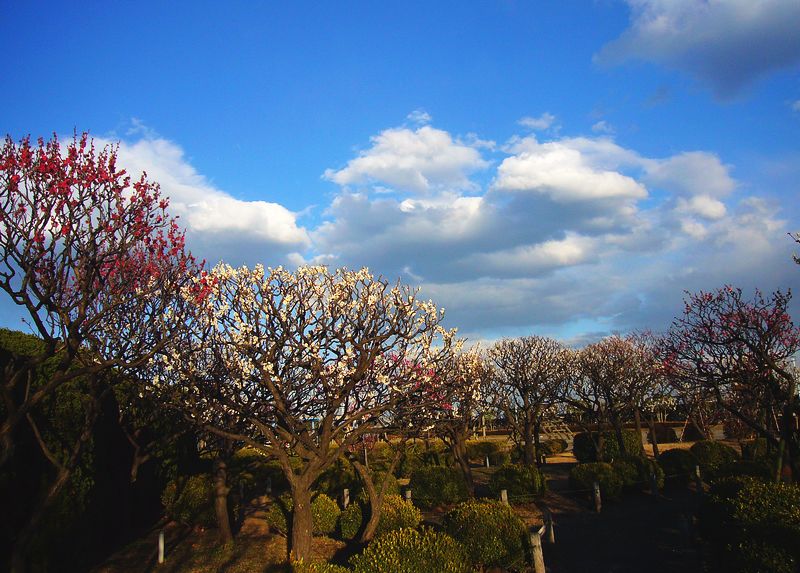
[(691, 173), (541, 123), (726, 43), (796, 105), (419, 116), (422, 161), (603, 126), (220, 225), (702, 205), (562, 172)]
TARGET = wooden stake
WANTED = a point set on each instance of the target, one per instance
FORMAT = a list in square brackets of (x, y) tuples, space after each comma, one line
[(504, 496), (536, 552), (161, 558), (598, 502)]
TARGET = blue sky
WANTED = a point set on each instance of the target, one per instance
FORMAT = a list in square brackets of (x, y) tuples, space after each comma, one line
[(565, 168)]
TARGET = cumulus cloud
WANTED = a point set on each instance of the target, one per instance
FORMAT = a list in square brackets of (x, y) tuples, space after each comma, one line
[(419, 116), (541, 123), (421, 160), (219, 225), (562, 172), (571, 234), (725, 43)]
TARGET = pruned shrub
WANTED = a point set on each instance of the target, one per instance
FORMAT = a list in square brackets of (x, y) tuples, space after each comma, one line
[(711, 455), (664, 434), (757, 449), (635, 472), (492, 534), (479, 449), (324, 514), (750, 468), (411, 551), (679, 466), (522, 482), (583, 477), (584, 449), (437, 485), (189, 500), (553, 447), (752, 525), (253, 469), (396, 513), (338, 476)]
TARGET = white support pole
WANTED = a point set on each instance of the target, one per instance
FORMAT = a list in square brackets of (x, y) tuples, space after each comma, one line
[(161, 558)]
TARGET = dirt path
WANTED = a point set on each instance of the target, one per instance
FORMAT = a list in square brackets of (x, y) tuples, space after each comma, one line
[(640, 533)]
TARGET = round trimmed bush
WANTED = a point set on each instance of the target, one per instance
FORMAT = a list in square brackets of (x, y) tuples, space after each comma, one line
[(711, 455), (757, 469), (411, 551), (339, 476), (490, 531), (190, 500), (643, 468), (664, 434), (479, 449), (755, 449), (553, 447), (396, 513), (519, 480), (678, 466), (627, 472), (437, 485), (324, 514), (583, 476), (584, 450)]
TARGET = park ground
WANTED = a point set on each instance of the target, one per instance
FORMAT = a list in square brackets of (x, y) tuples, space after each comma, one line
[(641, 532)]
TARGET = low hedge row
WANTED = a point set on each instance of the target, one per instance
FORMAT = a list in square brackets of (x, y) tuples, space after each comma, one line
[(437, 485), (583, 445), (411, 551), (520, 481)]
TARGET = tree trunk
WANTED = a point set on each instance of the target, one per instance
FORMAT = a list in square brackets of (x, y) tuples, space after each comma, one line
[(301, 536), (537, 429), (459, 448), (637, 418), (529, 447), (618, 433), (654, 438), (376, 496), (221, 491)]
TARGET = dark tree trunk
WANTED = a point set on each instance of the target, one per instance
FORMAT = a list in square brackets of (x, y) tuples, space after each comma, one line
[(537, 429), (221, 490), (376, 496), (637, 418), (459, 448), (529, 446), (653, 437), (301, 535)]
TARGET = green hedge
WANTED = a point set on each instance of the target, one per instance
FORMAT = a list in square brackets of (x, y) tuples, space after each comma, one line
[(679, 466), (520, 481), (189, 500), (711, 455), (553, 447), (664, 434), (752, 525), (635, 472), (413, 551), (396, 513), (437, 485), (324, 513), (583, 476), (317, 567), (584, 450), (493, 535)]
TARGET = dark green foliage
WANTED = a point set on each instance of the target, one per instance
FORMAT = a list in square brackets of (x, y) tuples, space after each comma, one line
[(678, 466), (757, 449), (413, 551), (664, 434), (584, 449), (522, 482), (351, 520), (752, 525), (711, 455), (479, 449), (396, 513), (642, 467), (583, 476), (553, 447), (324, 513), (339, 476), (437, 485), (490, 531), (253, 469), (189, 500), (757, 469), (421, 454)]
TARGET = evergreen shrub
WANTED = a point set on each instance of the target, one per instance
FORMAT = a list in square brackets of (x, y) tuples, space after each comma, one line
[(412, 551), (583, 476), (492, 534), (437, 485), (519, 480), (584, 450)]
